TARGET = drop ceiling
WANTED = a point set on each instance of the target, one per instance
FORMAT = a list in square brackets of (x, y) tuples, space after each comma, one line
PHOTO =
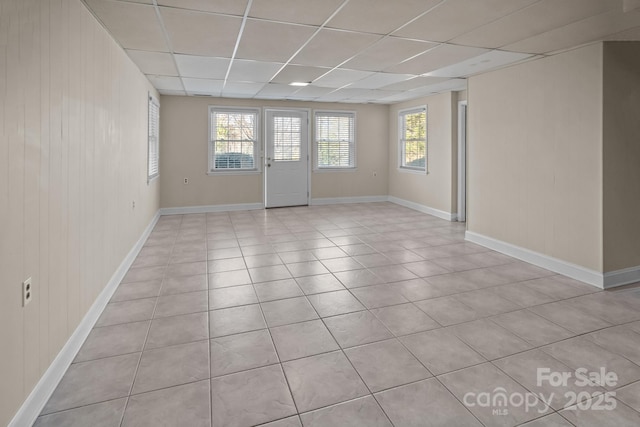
[(362, 51)]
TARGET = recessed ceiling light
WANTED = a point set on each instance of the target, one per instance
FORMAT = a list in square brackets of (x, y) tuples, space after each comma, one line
[(299, 84)]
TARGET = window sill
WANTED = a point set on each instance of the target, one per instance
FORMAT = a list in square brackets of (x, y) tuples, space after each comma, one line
[(150, 179), (235, 172), (330, 170), (413, 171)]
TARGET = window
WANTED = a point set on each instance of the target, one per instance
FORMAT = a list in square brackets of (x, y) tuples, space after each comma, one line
[(153, 141), (335, 139), (413, 139), (233, 139), (286, 138)]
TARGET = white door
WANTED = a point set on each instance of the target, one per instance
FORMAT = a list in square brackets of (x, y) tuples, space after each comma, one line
[(286, 160)]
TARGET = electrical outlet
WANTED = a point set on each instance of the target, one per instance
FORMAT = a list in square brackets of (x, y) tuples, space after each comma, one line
[(186, 181), (27, 292), (133, 205), (375, 174)]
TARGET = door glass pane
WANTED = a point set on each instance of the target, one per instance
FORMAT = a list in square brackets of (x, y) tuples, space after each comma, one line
[(286, 138)]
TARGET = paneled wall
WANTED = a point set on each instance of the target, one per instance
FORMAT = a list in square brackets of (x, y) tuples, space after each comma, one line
[(73, 124), (534, 156)]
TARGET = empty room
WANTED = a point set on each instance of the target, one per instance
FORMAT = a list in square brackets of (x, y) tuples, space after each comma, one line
[(319, 213)]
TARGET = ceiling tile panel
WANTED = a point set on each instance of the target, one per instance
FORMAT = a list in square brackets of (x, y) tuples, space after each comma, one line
[(333, 47), (535, 19), (203, 86), (232, 89), (275, 91), (172, 92), (379, 80), (299, 73), (341, 77), (204, 67), (166, 83), (198, 33), (313, 12), (134, 25), (585, 31), (402, 96), (414, 83), (485, 62), (455, 17), (243, 70), (342, 95), (438, 57), (387, 52), (379, 16), (445, 86), (372, 95), (311, 92), (153, 62), (271, 41), (229, 7)]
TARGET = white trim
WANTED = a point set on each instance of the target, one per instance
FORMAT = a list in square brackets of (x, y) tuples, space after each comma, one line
[(422, 208), (257, 142), (345, 200), (235, 172), (556, 265), (345, 113), (401, 145), (33, 405), (265, 149), (606, 280), (462, 160), (211, 208), (622, 277)]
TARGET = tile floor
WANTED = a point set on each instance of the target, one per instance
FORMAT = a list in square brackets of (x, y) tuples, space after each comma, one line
[(348, 315)]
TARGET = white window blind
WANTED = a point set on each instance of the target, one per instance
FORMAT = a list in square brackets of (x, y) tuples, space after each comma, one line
[(413, 139), (233, 139), (286, 138), (335, 139), (153, 153)]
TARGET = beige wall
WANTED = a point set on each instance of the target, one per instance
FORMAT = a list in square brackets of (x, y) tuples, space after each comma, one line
[(535, 156), (437, 188), (73, 114), (621, 136), (183, 154)]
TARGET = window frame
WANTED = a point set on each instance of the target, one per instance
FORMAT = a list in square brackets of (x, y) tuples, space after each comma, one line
[(153, 141), (402, 144), (211, 170), (352, 114)]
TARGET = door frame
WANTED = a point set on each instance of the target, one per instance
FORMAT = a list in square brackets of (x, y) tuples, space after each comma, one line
[(265, 149), (462, 161)]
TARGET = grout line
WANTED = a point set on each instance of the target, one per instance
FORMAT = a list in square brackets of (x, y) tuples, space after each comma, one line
[(135, 373), (309, 219)]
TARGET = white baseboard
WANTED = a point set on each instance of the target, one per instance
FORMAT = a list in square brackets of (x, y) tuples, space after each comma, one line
[(424, 209), (607, 280), (556, 265), (622, 277), (211, 208), (43, 390), (345, 200)]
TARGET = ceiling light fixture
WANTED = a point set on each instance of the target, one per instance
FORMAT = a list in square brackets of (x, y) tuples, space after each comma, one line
[(299, 84)]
